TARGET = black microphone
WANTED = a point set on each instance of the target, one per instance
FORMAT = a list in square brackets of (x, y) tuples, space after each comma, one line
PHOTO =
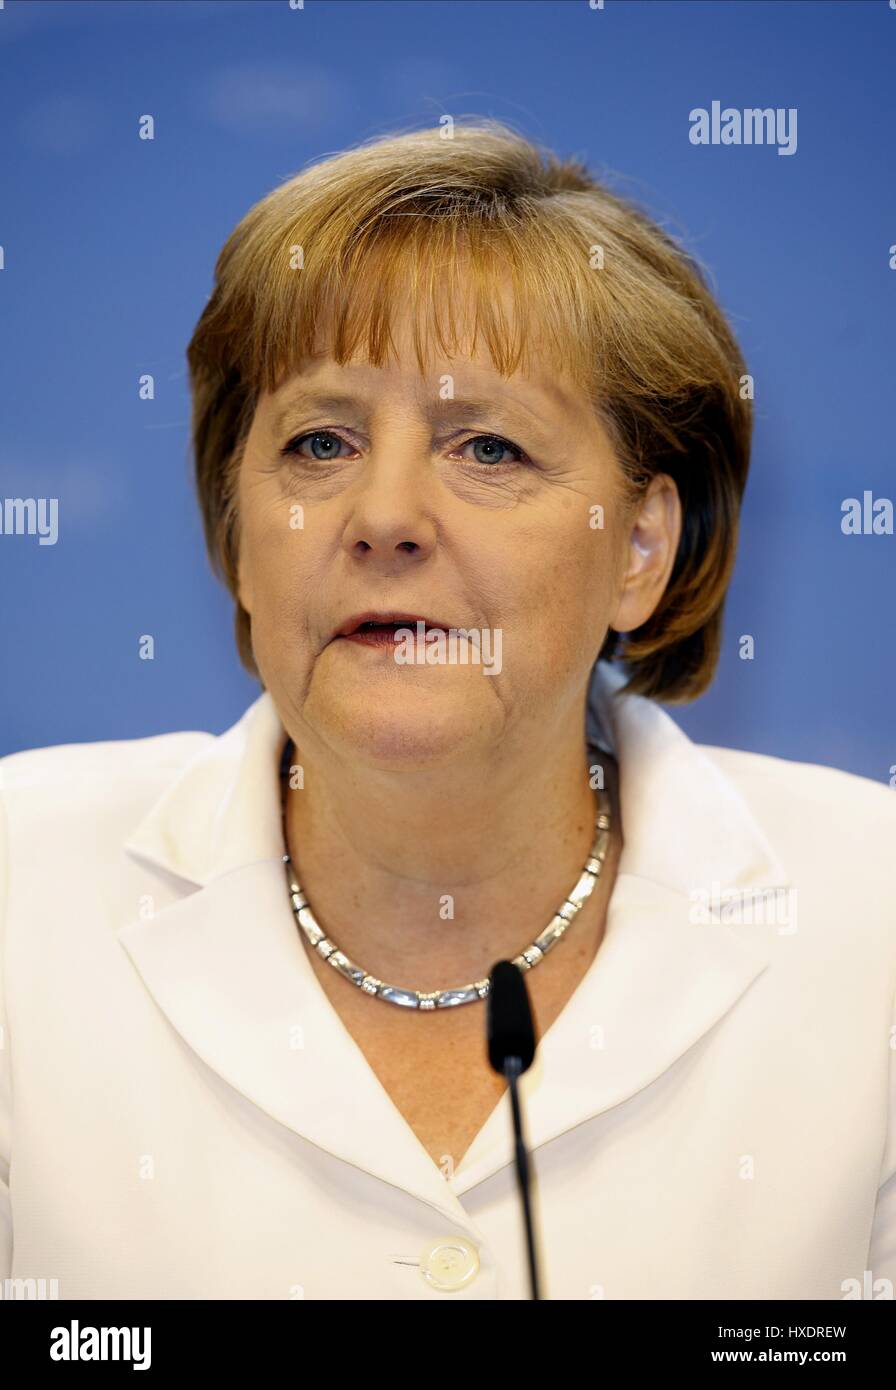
[(511, 1048)]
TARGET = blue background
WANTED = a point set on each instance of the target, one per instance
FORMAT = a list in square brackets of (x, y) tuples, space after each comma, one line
[(110, 243)]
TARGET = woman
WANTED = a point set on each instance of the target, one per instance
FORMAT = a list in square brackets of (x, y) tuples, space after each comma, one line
[(470, 441)]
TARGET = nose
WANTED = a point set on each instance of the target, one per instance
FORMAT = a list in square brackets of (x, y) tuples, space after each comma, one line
[(392, 507)]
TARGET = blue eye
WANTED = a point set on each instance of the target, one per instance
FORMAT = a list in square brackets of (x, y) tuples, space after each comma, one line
[(495, 443), (325, 446), (327, 437)]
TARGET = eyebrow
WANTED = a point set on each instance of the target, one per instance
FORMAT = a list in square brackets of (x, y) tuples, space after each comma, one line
[(504, 412), (311, 400)]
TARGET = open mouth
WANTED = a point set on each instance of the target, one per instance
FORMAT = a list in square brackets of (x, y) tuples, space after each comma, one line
[(401, 622), (384, 633), (376, 627)]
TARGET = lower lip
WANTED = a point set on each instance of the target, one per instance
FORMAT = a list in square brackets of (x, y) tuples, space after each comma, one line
[(372, 637), (379, 637)]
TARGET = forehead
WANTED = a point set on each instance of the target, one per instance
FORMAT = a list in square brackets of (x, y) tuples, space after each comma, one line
[(435, 344), (464, 381), (328, 385)]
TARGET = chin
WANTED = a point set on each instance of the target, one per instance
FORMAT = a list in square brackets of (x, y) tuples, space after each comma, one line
[(398, 731)]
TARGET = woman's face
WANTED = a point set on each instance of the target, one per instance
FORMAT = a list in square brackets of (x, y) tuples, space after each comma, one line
[(475, 501)]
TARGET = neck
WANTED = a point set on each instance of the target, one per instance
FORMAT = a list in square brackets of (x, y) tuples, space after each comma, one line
[(426, 880)]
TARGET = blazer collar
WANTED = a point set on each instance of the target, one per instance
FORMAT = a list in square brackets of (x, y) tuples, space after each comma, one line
[(225, 964), (684, 821), (222, 811)]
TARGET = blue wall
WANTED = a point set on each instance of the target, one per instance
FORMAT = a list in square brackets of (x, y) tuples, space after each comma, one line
[(109, 246)]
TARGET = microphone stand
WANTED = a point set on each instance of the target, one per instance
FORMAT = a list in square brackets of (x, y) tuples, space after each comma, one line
[(511, 1049), (512, 1069)]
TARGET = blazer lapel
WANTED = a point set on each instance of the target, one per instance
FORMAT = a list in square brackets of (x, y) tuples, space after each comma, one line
[(227, 968), (225, 964), (673, 959), (655, 987)]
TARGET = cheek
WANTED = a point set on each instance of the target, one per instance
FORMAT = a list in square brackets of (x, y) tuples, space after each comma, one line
[(563, 576), (276, 568), (571, 597), (549, 589), (272, 535)]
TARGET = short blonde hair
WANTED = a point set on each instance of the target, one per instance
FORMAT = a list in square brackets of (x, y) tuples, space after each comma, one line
[(433, 221)]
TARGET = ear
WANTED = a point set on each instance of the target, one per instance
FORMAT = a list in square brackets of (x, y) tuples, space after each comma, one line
[(650, 547)]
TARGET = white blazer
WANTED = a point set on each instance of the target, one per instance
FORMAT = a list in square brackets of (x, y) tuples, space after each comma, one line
[(183, 1114)]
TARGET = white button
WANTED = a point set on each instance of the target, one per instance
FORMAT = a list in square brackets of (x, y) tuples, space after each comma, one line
[(449, 1264)]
